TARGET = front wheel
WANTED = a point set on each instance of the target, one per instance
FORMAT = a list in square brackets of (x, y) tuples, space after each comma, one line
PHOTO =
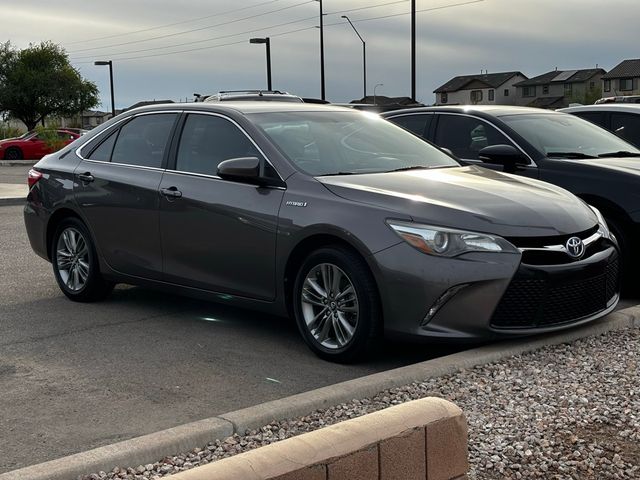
[(75, 263), (13, 153), (336, 304)]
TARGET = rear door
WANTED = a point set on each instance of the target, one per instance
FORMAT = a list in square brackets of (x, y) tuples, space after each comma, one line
[(217, 234), (116, 186)]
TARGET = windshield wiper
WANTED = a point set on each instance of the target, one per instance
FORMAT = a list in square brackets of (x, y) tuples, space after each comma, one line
[(335, 174), (569, 155), (404, 169), (621, 153)]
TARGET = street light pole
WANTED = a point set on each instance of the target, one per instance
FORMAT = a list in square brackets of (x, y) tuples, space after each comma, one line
[(110, 63), (267, 42), (322, 89), (364, 57)]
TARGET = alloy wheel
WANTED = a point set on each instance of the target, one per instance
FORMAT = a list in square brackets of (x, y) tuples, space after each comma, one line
[(72, 259), (329, 306)]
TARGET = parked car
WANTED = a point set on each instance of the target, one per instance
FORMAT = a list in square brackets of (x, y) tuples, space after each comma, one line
[(558, 148), (621, 119), (31, 146), (619, 99), (342, 220), (252, 95)]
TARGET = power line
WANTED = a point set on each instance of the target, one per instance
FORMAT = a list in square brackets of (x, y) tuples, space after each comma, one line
[(175, 34), (158, 27), (442, 7), (195, 42)]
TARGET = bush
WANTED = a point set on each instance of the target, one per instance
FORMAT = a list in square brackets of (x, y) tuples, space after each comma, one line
[(7, 131)]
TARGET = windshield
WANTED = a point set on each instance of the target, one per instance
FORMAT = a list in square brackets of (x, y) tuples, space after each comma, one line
[(564, 135), (337, 143)]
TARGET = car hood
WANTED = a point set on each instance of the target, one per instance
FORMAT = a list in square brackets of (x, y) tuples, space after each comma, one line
[(625, 165), (470, 198)]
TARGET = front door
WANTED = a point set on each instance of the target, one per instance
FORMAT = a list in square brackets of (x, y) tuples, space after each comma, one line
[(217, 235)]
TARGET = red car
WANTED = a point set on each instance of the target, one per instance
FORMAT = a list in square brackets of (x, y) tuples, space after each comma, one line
[(30, 146)]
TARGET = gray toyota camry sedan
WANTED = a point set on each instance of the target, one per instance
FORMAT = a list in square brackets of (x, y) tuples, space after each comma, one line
[(340, 219)]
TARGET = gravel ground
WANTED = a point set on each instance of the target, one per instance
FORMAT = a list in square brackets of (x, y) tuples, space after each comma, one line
[(563, 412)]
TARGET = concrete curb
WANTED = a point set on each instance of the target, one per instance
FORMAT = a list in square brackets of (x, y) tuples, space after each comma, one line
[(12, 201), (153, 447), (18, 163)]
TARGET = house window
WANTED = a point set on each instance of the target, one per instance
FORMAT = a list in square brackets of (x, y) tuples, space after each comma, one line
[(607, 85), (444, 98), (491, 95), (568, 89), (545, 89), (626, 84), (476, 96), (592, 85), (528, 91), (506, 92)]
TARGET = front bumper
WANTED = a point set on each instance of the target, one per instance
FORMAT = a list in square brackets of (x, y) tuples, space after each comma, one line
[(498, 296)]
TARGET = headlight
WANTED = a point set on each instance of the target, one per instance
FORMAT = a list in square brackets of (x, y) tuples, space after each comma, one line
[(603, 228), (445, 242)]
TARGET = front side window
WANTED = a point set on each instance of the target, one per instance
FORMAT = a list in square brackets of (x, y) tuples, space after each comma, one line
[(143, 140), (337, 142), (594, 117), (207, 140), (565, 136), (466, 136), (626, 84)]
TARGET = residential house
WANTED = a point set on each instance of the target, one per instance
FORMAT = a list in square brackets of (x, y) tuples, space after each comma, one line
[(559, 88), (624, 79), (482, 89)]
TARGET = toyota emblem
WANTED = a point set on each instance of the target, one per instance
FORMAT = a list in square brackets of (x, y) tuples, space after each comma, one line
[(575, 247)]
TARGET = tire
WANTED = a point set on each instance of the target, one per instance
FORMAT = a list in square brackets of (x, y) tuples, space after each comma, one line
[(13, 153), (75, 263), (344, 324)]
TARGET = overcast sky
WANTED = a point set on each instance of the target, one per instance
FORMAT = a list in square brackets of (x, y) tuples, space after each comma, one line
[(533, 36)]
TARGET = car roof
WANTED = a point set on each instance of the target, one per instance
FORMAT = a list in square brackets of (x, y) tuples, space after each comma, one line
[(605, 107), (243, 107), (490, 110)]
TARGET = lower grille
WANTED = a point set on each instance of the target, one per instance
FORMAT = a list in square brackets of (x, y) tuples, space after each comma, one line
[(531, 303)]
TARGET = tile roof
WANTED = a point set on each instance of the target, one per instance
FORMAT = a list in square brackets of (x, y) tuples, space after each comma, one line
[(491, 80), (557, 75), (625, 69)]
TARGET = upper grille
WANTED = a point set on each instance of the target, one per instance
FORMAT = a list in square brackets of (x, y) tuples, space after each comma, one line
[(531, 303)]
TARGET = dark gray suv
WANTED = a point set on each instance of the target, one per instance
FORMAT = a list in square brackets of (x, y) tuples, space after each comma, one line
[(338, 218)]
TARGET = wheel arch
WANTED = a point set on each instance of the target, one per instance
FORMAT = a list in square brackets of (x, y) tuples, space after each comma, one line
[(54, 220)]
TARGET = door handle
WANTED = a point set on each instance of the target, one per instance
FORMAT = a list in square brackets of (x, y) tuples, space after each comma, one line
[(171, 192), (86, 177)]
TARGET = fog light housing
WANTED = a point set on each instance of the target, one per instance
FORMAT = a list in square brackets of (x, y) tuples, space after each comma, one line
[(441, 302)]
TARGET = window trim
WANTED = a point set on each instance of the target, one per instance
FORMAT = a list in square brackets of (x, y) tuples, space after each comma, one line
[(216, 114), (532, 164)]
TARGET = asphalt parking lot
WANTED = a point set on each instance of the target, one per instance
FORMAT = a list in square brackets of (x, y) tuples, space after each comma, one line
[(14, 174), (77, 376)]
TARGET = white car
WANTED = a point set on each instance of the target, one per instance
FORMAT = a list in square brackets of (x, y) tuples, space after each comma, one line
[(623, 119)]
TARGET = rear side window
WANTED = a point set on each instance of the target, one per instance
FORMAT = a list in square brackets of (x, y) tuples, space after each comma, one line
[(594, 117), (143, 140), (103, 152), (418, 124), (207, 140)]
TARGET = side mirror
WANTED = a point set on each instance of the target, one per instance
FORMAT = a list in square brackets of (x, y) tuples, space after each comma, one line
[(246, 169), (505, 155)]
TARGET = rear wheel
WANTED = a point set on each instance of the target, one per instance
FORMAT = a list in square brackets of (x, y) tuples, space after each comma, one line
[(336, 304), (75, 263), (13, 153)]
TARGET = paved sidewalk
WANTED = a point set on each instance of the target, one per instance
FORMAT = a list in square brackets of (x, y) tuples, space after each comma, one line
[(13, 194)]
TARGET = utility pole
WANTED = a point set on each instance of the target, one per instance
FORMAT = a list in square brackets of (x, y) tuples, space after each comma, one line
[(413, 50), (364, 57), (322, 90)]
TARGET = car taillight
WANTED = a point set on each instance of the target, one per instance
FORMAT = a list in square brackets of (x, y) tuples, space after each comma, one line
[(33, 177)]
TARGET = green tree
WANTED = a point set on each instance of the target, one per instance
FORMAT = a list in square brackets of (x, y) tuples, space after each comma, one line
[(39, 82)]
